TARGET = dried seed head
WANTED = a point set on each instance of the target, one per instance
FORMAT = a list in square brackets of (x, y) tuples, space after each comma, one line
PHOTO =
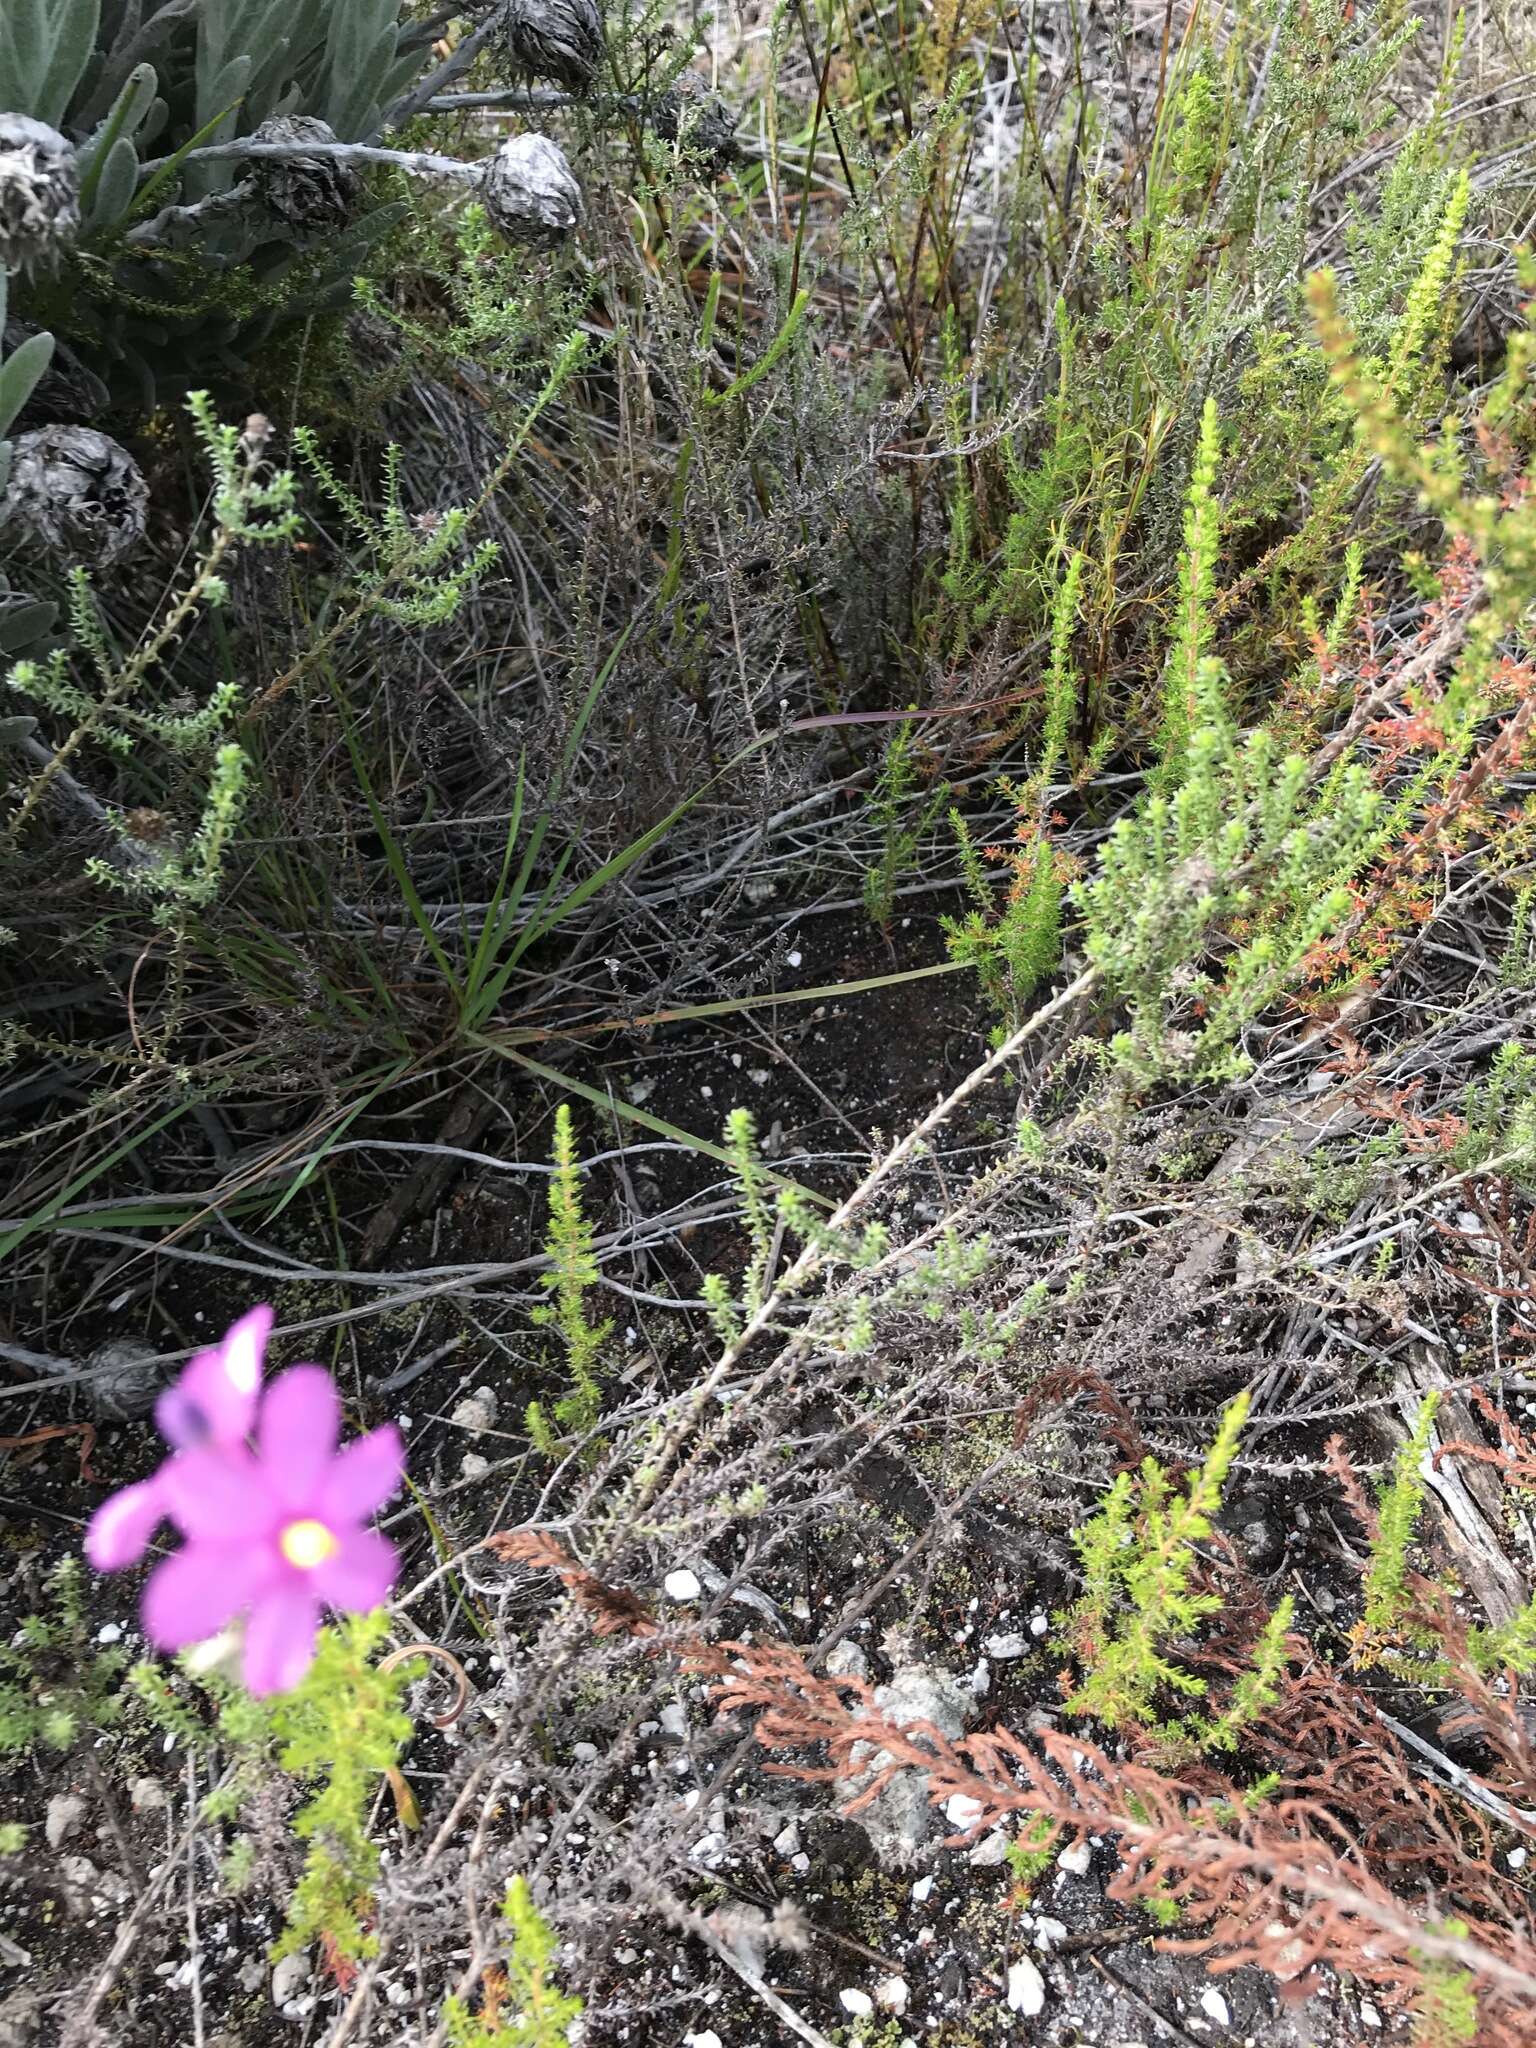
[(529, 193), (691, 115), (123, 1380), (74, 493), (304, 192), (557, 39), (39, 193)]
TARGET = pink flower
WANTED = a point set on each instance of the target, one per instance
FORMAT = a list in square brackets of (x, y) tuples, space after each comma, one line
[(214, 1402), (277, 1531)]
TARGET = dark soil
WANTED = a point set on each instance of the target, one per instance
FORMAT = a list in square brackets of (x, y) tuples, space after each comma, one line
[(932, 1947)]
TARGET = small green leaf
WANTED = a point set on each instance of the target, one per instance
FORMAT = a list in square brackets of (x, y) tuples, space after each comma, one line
[(19, 375)]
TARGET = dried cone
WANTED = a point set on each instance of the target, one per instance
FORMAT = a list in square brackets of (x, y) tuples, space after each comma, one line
[(74, 493), (307, 193), (556, 39), (691, 115), (39, 193), (529, 193)]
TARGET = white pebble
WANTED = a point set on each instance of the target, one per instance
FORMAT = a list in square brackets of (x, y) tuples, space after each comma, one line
[(794, 958), (1003, 1647), (1026, 1988), (477, 1412), (859, 2003), (787, 1841), (990, 1851), (1369, 2016), (1038, 1624), (708, 2039), (892, 1994), (65, 1812), (112, 1633), (921, 1889), (1516, 1859), (963, 1810), (1049, 1933), (289, 1977), (1076, 1859), (681, 1585), (1215, 2007)]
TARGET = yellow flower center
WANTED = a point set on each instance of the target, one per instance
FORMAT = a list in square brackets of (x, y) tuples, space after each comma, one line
[(307, 1544)]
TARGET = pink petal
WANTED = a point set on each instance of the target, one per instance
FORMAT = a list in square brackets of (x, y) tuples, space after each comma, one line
[(300, 1416), (214, 1401), (121, 1527), (359, 1574), (280, 1638), (244, 1350), (191, 1595), (221, 1496), (361, 1477)]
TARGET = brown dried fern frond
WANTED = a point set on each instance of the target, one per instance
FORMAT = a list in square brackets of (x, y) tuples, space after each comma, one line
[(1298, 1882), (1289, 1885), (614, 1611)]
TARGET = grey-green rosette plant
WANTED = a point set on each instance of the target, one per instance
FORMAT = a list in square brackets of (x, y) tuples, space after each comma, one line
[(106, 110), (180, 177)]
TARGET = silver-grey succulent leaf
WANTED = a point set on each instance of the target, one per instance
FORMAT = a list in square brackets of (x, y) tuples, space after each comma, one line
[(66, 389), (73, 494), (560, 40), (530, 193), (306, 193), (45, 47), (39, 193)]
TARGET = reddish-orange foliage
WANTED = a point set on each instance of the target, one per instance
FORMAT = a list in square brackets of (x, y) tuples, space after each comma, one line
[(613, 1611), (1515, 1458), (1401, 890), (1497, 1207), (340, 1968), (1326, 1872), (1290, 1885)]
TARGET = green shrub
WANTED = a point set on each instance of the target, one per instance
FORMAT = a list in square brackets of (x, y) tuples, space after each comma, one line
[(521, 2005), (334, 1733), (1399, 1504), (573, 1273), (56, 1686), (183, 265), (1141, 1565)]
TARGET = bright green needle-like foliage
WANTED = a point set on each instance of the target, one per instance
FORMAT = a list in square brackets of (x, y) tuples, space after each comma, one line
[(522, 2005), (572, 1275), (1141, 1565)]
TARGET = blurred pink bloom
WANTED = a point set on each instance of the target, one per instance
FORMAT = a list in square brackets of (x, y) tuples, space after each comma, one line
[(277, 1531), (214, 1402)]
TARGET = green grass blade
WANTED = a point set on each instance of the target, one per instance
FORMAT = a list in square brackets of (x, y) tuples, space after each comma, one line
[(629, 1114), (94, 1171), (688, 1013), (396, 861)]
